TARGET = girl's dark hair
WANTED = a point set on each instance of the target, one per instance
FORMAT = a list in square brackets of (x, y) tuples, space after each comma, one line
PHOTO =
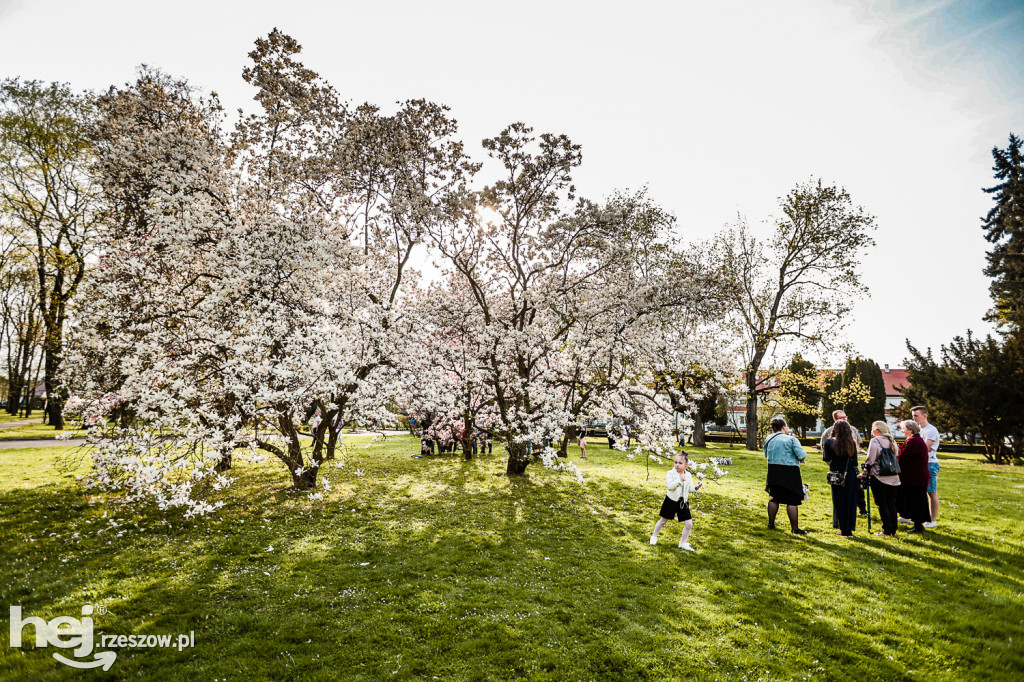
[(845, 445), (683, 454)]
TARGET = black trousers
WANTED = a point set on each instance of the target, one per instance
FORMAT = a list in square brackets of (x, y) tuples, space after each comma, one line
[(885, 498)]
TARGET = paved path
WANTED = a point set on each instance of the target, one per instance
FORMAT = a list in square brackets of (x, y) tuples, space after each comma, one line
[(74, 442), (41, 443), (14, 425)]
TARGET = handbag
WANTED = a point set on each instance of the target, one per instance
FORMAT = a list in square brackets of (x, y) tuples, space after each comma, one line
[(836, 478)]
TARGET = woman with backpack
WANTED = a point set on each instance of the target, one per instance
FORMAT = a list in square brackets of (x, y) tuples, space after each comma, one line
[(883, 472), (841, 455)]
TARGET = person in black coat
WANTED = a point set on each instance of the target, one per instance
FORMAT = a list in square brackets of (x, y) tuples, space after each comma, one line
[(841, 454)]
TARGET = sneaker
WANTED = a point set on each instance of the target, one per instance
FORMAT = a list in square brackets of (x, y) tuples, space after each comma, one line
[(930, 524), (798, 531), (903, 520), (686, 546), (654, 539)]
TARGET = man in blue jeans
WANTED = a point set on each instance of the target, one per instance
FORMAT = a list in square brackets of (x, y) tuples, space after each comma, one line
[(930, 434)]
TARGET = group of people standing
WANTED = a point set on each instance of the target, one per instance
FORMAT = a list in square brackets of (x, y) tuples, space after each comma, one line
[(904, 484)]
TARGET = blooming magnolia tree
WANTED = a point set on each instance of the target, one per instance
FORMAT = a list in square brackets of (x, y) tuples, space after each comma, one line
[(565, 291), (445, 386), (654, 316), (252, 279), (245, 283)]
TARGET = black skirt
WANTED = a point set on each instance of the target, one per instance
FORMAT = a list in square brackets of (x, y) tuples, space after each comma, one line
[(675, 508), (784, 485), (912, 503)]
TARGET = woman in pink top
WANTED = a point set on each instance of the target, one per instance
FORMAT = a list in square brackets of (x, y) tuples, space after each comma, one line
[(882, 487)]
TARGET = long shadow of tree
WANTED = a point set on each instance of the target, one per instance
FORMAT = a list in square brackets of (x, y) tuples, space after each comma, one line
[(441, 569)]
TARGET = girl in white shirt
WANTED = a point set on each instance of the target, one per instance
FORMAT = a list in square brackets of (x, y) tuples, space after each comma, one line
[(679, 485)]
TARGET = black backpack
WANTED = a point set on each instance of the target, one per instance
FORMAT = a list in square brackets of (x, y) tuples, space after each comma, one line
[(887, 463)]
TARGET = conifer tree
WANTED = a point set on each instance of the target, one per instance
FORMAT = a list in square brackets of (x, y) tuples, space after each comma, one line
[(800, 394), (1004, 228)]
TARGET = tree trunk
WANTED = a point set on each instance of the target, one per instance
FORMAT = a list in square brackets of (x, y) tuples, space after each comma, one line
[(30, 395), (306, 480), (563, 449), (224, 464), (698, 434), (55, 396), (518, 459), (752, 421), (14, 395), (332, 442), (467, 438)]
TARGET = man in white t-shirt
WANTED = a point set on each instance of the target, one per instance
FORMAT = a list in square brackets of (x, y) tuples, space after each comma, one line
[(930, 434)]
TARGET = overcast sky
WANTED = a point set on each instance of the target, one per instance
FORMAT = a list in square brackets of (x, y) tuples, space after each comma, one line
[(718, 107)]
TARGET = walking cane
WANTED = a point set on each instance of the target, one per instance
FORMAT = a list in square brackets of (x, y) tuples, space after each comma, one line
[(867, 484)]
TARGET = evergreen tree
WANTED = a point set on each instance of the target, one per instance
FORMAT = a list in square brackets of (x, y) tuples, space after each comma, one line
[(859, 391), (830, 394), (1004, 227), (800, 394), (976, 385), (872, 408)]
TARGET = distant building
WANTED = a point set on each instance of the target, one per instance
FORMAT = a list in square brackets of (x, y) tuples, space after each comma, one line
[(895, 381)]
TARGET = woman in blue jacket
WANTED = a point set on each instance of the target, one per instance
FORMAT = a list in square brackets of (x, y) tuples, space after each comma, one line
[(784, 484)]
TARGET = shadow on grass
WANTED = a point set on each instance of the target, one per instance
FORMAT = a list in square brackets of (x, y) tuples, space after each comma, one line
[(440, 568)]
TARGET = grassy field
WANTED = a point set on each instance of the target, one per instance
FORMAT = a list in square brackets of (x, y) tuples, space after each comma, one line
[(436, 568)]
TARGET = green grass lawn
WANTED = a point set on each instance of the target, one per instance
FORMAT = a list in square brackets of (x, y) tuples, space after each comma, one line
[(436, 568)]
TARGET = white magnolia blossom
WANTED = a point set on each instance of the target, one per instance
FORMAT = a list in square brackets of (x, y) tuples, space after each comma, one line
[(250, 282), (574, 307), (242, 285)]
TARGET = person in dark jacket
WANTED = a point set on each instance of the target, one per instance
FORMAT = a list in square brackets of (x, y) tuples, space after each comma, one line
[(841, 455), (912, 499)]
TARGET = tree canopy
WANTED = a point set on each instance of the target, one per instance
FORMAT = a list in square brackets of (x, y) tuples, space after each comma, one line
[(977, 384), (1004, 229), (796, 285), (800, 394)]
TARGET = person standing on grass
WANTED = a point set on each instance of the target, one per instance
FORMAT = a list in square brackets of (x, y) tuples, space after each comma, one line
[(783, 484), (912, 498), (930, 435), (840, 416), (679, 485), (884, 488), (841, 455), (581, 440)]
